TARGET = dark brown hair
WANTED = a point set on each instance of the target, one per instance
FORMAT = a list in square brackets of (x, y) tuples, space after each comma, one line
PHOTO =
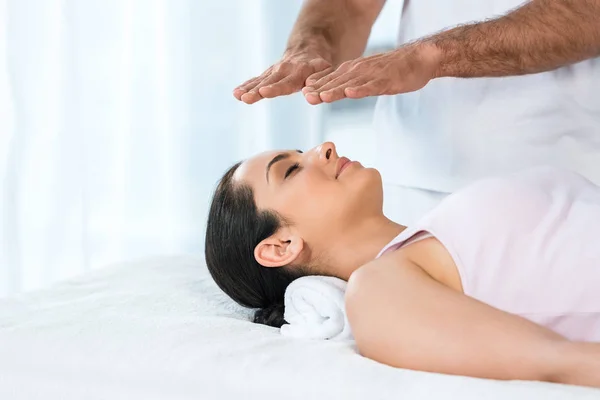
[(235, 226)]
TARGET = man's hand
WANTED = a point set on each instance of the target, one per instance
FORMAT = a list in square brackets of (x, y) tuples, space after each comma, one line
[(286, 77), (403, 70)]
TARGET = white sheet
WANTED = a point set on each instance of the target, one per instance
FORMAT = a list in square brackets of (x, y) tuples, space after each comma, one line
[(159, 329)]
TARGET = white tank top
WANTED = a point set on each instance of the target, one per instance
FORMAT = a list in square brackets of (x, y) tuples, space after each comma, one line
[(454, 131), (526, 243)]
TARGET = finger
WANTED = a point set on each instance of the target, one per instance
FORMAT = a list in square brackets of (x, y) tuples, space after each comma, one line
[(269, 80), (288, 85), (238, 93), (250, 83), (320, 66), (311, 80), (338, 92), (249, 89), (340, 80), (251, 97), (342, 69), (372, 88), (332, 95), (251, 80), (313, 98), (316, 86), (290, 81), (243, 88)]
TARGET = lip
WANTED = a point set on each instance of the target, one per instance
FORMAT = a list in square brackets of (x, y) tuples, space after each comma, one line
[(342, 163)]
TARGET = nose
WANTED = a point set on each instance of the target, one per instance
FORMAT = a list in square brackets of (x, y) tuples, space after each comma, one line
[(326, 152)]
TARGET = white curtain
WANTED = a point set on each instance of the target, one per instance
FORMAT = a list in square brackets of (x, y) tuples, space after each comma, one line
[(117, 119)]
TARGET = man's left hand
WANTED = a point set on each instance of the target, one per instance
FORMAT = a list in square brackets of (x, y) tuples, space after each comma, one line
[(403, 70)]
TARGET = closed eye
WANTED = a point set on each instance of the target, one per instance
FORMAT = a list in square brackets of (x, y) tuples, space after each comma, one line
[(291, 169)]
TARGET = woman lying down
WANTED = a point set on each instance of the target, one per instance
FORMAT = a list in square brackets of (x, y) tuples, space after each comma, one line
[(500, 281)]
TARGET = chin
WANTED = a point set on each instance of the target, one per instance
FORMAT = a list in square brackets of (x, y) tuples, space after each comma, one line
[(374, 172), (367, 191), (372, 177)]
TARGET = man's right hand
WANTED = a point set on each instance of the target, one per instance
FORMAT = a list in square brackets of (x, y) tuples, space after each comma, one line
[(286, 77)]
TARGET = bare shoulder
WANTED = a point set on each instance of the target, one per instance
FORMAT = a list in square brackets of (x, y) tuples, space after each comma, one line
[(383, 294), (394, 269), (425, 258)]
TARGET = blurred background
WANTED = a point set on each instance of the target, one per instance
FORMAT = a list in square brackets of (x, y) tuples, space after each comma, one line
[(117, 120)]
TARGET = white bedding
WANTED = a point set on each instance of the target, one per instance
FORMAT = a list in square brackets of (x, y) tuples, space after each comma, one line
[(159, 329)]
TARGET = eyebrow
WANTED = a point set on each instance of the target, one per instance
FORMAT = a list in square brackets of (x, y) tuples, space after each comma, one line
[(277, 158)]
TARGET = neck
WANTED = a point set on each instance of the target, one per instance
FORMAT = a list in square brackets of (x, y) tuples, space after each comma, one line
[(360, 245)]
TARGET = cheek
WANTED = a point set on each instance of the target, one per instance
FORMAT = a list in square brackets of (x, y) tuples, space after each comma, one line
[(323, 203), (310, 197)]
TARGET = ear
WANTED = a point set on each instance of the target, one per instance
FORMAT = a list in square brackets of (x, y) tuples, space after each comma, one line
[(279, 250)]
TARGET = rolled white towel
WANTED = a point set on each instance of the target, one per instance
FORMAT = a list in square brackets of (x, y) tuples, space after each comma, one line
[(314, 309)]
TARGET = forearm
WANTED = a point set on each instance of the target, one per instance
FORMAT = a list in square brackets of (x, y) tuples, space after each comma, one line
[(582, 364), (337, 30), (401, 317), (539, 36)]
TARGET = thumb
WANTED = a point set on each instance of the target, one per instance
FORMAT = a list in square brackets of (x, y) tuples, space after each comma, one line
[(319, 64)]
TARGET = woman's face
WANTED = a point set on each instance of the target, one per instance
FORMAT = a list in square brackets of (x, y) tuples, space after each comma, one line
[(320, 193)]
